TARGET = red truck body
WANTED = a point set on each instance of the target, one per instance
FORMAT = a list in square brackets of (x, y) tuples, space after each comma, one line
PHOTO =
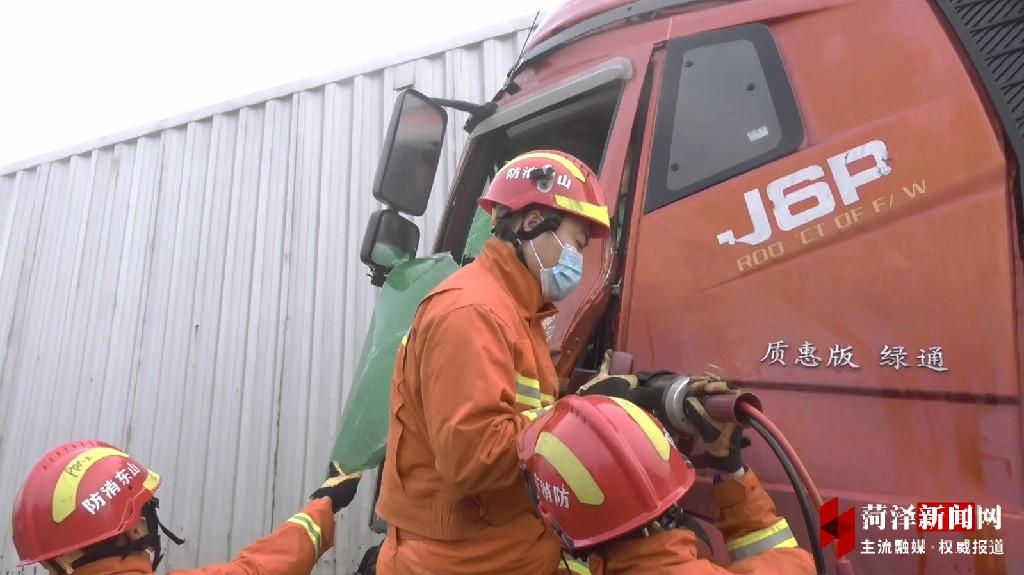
[(818, 199)]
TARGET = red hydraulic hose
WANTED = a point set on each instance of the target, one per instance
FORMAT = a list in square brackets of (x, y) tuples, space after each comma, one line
[(743, 407), (756, 414), (843, 565)]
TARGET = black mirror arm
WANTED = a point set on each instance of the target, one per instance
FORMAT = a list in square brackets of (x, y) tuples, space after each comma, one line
[(477, 112), (377, 275)]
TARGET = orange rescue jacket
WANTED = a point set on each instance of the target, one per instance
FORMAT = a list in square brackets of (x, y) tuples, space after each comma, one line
[(758, 540), (292, 549), (473, 370)]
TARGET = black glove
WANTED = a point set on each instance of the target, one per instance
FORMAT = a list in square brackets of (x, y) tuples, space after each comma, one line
[(723, 440), (610, 385), (628, 387), (340, 486), (621, 386), (368, 566)]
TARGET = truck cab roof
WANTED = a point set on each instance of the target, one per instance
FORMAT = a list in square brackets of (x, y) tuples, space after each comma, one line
[(575, 19)]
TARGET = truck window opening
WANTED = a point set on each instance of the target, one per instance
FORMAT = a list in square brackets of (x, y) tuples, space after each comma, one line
[(578, 126)]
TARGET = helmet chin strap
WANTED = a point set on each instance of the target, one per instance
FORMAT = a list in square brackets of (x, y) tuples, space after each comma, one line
[(118, 547), (153, 522), (503, 228)]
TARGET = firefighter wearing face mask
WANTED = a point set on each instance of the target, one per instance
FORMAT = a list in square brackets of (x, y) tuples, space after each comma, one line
[(474, 370)]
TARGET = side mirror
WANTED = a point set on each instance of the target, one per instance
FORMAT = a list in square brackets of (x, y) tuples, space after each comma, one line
[(389, 239), (412, 150)]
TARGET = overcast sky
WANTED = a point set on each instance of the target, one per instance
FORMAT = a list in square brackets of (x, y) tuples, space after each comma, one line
[(77, 70)]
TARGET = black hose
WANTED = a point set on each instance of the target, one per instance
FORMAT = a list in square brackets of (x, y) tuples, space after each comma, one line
[(801, 494)]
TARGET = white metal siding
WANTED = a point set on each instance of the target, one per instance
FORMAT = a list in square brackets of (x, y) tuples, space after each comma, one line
[(194, 294)]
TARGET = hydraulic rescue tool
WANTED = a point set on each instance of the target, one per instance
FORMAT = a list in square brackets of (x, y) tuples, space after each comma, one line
[(665, 394)]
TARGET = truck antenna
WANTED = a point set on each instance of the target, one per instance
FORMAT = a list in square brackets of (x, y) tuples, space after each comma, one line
[(510, 86)]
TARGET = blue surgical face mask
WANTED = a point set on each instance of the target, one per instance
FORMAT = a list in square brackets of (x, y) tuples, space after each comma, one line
[(556, 283)]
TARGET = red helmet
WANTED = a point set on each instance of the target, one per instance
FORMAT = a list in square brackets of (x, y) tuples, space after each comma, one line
[(599, 467), (549, 178), (78, 494)]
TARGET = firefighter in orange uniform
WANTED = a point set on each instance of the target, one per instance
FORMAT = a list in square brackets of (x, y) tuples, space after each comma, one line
[(473, 370), (89, 508), (606, 477)]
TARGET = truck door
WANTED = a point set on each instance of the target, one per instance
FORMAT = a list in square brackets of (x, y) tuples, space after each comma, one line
[(823, 216)]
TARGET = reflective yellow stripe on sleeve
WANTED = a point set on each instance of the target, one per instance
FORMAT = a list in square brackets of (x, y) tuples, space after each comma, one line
[(777, 536), (528, 391), (312, 529), (575, 565), (532, 414)]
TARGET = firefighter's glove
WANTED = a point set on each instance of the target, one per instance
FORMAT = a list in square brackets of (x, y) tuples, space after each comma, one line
[(621, 386), (722, 440), (339, 486)]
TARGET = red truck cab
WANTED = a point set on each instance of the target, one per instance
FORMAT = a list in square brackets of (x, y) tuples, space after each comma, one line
[(818, 199)]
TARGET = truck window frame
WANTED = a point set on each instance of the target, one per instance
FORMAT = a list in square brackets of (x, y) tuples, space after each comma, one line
[(659, 193), (455, 229)]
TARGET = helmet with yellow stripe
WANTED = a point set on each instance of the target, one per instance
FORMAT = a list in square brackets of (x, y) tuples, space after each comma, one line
[(599, 468), (549, 178), (79, 494)]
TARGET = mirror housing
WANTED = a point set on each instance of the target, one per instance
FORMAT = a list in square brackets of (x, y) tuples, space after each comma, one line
[(389, 239), (411, 152)]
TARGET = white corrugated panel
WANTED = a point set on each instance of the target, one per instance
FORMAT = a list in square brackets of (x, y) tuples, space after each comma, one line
[(192, 292)]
